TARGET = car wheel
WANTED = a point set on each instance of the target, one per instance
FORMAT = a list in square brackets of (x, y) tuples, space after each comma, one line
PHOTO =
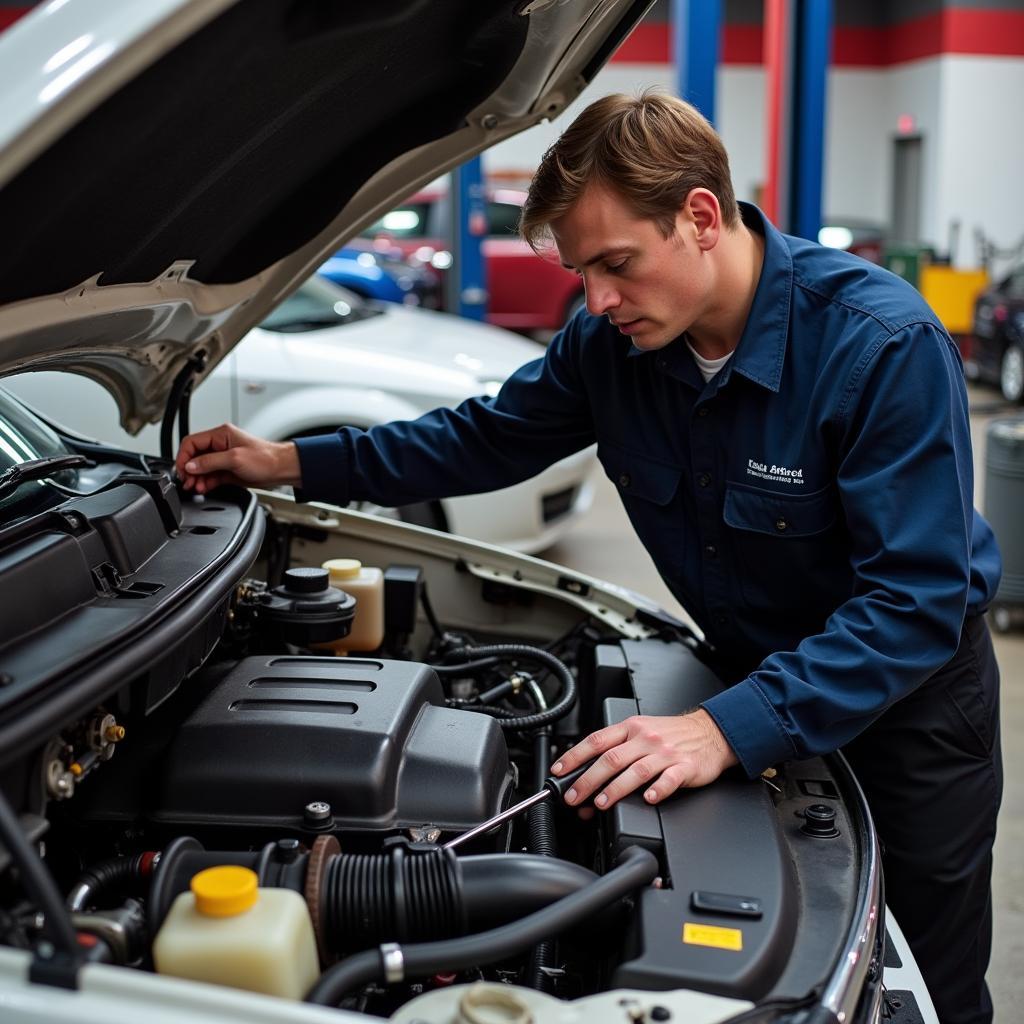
[(1011, 373), (422, 513)]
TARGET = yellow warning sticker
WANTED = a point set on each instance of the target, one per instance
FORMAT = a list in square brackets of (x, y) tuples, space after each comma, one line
[(710, 935)]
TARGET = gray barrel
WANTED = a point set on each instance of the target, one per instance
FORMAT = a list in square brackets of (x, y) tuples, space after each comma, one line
[(1004, 501)]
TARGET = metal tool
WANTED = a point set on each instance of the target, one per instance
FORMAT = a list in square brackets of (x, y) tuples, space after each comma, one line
[(552, 787)]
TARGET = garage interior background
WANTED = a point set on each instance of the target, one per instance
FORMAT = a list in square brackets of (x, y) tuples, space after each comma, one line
[(922, 137), (918, 125)]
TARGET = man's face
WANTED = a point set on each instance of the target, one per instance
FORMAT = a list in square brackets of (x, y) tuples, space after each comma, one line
[(651, 287)]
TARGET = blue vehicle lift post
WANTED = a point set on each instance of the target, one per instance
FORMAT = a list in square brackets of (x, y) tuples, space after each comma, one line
[(696, 44), (468, 280), (797, 45)]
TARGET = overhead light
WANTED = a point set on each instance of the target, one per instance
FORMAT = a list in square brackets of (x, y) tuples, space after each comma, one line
[(400, 220), (835, 237)]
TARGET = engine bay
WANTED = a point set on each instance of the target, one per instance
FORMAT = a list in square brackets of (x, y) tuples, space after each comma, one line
[(195, 722)]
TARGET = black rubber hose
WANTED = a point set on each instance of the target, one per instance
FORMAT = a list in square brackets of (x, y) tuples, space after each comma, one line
[(402, 895), (637, 867), (171, 412), (465, 668), (118, 877), (184, 423), (499, 887), (541, 840), (566, 700), (38, 883), (540, 819)]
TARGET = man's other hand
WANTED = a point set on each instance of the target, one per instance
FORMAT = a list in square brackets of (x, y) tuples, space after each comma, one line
[(227, 455), (661, 754)]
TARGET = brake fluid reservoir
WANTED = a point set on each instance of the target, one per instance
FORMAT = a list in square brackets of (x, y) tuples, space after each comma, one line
[(227, 931), (366, 585)]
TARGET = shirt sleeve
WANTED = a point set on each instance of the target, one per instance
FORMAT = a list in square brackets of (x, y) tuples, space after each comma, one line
[(541, 414), (905, 479)]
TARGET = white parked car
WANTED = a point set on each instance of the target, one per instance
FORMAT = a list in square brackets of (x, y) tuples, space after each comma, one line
[(327, 358), (206, 816)]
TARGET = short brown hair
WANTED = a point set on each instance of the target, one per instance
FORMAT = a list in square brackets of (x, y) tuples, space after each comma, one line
[(651, 149)]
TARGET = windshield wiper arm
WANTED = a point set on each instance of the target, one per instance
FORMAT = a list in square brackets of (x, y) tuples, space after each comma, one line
[(37, 469)]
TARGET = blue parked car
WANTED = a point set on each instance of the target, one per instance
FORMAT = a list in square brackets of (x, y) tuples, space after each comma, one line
[(382, 276)]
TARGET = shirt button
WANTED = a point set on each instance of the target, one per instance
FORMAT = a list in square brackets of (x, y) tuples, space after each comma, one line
[(704, 479), (703, 411), (711, 550), (624, 480), (781, 525)]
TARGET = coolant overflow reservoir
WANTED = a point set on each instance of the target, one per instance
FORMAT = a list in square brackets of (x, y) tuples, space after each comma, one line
[(366, 585), (227, 931)]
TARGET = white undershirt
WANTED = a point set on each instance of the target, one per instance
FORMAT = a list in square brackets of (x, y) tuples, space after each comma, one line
[(708, 367)]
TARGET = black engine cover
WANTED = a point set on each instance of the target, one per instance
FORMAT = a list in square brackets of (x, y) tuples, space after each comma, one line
[(370, 737)]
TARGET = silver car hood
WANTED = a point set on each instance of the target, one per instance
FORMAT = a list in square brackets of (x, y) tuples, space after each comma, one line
[(170, 171)]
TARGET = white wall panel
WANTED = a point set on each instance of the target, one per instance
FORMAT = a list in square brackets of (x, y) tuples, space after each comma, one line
[(856, 172), (982, 156)]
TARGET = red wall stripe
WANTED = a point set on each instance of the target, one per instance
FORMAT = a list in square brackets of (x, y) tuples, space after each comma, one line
[(742, 44), (954, 30), (999, 33), (646, 44)]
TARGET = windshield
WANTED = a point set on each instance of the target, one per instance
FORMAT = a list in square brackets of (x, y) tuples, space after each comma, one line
[(23, 438), (318, 304)]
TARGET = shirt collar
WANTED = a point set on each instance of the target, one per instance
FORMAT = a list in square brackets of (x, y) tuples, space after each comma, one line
[(762, 347)]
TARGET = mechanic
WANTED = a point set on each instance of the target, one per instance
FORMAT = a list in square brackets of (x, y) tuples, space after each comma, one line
[(787, 426)]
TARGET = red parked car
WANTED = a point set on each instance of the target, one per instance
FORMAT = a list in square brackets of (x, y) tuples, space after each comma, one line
[(526, 292)]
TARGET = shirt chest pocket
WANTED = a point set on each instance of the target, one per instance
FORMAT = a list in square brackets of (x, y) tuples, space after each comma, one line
[(784, 516), (789, 547), (637, 476)]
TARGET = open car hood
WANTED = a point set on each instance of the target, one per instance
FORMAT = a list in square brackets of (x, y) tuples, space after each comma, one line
[(170, 171)]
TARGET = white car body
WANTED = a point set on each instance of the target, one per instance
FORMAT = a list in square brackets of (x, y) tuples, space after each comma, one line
[(396, 364)]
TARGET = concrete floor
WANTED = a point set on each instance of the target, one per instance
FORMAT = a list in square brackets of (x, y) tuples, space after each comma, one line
[(605, 546)]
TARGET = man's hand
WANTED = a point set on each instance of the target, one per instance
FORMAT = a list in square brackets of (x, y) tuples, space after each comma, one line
[(661, 754), (227, 455)]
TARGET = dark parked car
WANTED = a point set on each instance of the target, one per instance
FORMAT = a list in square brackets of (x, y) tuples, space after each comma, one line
[(997, 347)]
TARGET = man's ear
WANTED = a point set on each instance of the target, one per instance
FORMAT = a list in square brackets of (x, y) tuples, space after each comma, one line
[(703, 212)]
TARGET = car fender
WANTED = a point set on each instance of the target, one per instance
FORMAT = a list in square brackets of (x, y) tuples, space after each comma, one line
[(292, 412)]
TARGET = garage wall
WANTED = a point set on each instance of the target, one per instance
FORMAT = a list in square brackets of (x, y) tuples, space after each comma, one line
[(981, 153), (964, 108), (856, 161)]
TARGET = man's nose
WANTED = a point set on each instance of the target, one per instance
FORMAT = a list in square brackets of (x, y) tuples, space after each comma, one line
[(601, 299)]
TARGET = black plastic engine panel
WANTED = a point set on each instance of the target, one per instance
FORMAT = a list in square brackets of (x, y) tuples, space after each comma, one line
[(370, 737), (750, 906)]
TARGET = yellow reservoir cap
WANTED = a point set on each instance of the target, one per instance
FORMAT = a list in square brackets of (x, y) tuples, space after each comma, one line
[(343, 568), (225, 891)]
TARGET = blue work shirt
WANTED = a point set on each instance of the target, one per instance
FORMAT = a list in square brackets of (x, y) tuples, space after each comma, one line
[(811, 505)]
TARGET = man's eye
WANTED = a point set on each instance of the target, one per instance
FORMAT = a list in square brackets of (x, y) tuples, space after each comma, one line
[(616, 268)]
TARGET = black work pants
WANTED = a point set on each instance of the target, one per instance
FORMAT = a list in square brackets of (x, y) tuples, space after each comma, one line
[(932, 772)]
